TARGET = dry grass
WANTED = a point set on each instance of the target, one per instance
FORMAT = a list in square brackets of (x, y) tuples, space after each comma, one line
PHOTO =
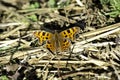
[(95, 55)]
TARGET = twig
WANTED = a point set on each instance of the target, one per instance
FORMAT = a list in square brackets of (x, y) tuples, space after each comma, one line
[(79, 3), (101, 30), (97, 62), (2, 36), (4, 25), (78, 44)]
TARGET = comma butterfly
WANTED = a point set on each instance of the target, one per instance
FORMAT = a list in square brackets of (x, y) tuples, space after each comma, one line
[(57, 41)]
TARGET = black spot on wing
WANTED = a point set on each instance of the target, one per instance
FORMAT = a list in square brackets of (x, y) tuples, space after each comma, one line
[(43, 33), (46, 37), (47, 34), (48, 42), (68, 31), (64, 40)]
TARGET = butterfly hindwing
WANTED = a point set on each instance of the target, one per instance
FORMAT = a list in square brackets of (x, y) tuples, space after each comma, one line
[(65, 44), (50, 45)]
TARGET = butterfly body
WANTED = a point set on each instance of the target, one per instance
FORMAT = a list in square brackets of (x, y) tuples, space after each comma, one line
[(57, 41)]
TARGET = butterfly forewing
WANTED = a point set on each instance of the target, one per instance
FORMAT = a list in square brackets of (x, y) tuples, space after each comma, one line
[(70, 33), (43, 36)]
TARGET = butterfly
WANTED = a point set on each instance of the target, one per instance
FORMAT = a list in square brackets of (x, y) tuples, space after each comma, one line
[(57, 41)]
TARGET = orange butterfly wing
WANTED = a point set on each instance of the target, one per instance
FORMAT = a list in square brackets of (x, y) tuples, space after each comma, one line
[(47, 39), (68, 36)]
